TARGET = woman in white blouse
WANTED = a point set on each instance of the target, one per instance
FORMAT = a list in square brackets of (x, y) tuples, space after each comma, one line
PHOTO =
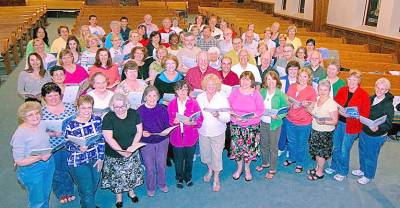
[(215, 109), (101, 95)]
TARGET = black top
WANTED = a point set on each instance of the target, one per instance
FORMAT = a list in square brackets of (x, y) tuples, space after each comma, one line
[(124, 130), (166, 86), (385, 107), (143, 72)]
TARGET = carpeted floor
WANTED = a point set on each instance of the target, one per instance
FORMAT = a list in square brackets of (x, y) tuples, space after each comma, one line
[(285, 190)]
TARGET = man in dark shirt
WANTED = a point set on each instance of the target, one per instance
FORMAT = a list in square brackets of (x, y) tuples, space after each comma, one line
[(124, 28)]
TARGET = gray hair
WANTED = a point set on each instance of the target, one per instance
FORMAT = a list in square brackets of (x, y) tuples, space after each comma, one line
[(325, 83), (119, 97), (214, 50), (149, 89), (383, 81), (115, 23)]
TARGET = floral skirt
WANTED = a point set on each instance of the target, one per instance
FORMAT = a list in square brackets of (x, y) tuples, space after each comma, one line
[(122, 174), (245, 142), (321, 144)]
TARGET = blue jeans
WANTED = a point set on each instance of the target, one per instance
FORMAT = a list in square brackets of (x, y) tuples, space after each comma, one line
[(282, 143), (298, 136), (368, 149), (87, 180), (62, 180), (36, 179), (342, 144)]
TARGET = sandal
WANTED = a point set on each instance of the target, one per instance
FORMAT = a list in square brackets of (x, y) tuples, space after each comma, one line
[(216, 186), (298, 169), (207, 177), (311, 171), (64, 199), (260, 168), (288, 163), (270, 175), (315, 177), (247, 176), (236, 176)]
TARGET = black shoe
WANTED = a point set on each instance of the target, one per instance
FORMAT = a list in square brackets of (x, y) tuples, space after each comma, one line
[(134, 199), (189, 183), (179, 184), (169, 163), (118, 204)]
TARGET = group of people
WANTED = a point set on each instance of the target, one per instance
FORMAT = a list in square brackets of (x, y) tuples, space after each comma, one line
[(200, 89)]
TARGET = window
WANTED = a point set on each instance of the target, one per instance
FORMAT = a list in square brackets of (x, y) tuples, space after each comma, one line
[(301, 6), (372, 15), (284, 4)]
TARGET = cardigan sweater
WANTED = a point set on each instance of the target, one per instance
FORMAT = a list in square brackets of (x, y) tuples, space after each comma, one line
[(385, 107), (360, 99), (279, 100)]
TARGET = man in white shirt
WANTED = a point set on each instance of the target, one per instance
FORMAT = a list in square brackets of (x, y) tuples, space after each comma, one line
[(243, 65), (215, 31), (150, 27), (94, 28), (250, 44)]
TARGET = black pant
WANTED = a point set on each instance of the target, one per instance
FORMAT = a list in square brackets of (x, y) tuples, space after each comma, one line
[(228, 138), (183, 158)]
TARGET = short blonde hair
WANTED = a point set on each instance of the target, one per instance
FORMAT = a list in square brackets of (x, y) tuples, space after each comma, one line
[(85, 99), (292, 27), (27, 107), (383, 81), (119, 97), (356, 73), (89, 38), (308, 72), (211, 77)]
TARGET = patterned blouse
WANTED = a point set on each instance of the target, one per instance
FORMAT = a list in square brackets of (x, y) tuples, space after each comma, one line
[(94, 151), (69, 110)]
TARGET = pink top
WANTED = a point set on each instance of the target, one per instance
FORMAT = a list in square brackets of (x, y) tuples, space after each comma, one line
[(190, 133), (77, 77), (300, 116), (242, 104), (111, 73)]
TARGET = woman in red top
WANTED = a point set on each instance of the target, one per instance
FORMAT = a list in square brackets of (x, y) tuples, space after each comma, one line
[(348, 127), (301, 94), (104, 65)]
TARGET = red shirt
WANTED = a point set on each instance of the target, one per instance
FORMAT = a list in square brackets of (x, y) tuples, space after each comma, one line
[(194, 76), (360, 99), (231, 78), (111, 73), (300, 116)]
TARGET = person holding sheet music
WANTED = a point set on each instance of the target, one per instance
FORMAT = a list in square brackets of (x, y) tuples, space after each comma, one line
[(105, 65), (154, 154), (49, 60), (325, 117), (184, 138), (300, 94), (166, 80), (89, 54), (270, 129), (332, 71), (132, 85), (165, 31), (101, 95), (31, 80), (373, 137), (54, 112), (74, 73), (245, 132), (319, 73), (74, 46), (348, 126), (85, 161), (212, 131), (122, 130), (34, 171)]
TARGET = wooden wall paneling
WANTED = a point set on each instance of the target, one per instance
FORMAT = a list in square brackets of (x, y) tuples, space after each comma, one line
[(320, 13)]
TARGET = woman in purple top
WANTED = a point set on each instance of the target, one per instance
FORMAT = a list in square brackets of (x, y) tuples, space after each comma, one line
[(245, 132), (154, 153), (184, 138)]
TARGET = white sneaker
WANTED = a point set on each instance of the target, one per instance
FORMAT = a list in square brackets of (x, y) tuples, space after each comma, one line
[(329, 171), (339, 177), (357, 173), (363, 180), (280, 152)]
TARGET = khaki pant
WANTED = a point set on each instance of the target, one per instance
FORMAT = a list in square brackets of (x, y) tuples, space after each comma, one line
[(269, 144), (211, 149)]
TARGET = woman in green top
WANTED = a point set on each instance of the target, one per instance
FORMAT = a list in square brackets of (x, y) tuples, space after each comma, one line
[(39, 32), (275, 99), (333, 70)]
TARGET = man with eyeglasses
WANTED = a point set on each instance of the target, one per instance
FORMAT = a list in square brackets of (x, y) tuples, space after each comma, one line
[(288, 55)]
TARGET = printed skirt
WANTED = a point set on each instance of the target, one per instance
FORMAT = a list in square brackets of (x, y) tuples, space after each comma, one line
[(245, 142), (122, 174), (321, 144)]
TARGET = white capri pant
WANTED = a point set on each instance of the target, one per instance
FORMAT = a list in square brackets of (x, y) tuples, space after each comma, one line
[(211, 149)]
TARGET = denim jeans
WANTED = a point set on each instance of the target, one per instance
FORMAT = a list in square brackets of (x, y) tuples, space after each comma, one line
[(342, 144), (36, 179), (298, 142), (87, 180), (282, 143), (62, 180), (183, 158), (368, 149)]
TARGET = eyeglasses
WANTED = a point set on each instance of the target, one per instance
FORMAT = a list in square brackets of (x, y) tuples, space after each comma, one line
[(122, 107)]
